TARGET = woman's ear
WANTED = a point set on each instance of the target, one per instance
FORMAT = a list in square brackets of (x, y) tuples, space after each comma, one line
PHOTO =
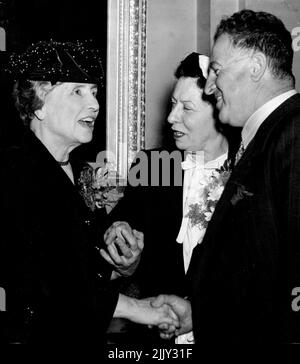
[(258, 66)]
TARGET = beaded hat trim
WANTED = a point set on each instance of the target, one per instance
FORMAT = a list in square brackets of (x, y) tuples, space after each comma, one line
[(58, 61)]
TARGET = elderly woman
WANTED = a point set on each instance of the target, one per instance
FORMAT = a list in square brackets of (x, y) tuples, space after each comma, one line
[(174, 218), (57, 287)]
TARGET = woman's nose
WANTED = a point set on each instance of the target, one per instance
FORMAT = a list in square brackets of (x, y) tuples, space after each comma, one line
[(173, 116), (210, 85), (94, 104)]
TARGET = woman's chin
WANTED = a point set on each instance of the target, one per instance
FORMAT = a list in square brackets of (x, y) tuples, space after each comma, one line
[(180, 145), (84, 139)]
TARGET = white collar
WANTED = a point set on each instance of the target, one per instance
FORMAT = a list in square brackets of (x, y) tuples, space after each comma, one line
[(216, 163), (196, 159), (261, 114)]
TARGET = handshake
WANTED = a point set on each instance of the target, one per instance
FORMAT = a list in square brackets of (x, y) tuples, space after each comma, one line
[(175, 315), (170, 313)]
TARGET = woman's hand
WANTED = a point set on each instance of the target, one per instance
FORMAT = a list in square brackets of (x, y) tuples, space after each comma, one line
[(124, 248), (142, 312), (157, 316)]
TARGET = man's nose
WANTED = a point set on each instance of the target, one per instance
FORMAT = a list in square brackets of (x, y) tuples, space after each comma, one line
[(210, 85)]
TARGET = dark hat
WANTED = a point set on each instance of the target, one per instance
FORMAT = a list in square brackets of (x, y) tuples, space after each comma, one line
[(58, 61)]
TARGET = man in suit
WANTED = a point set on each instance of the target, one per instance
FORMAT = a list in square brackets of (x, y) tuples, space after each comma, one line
[(246, 273)]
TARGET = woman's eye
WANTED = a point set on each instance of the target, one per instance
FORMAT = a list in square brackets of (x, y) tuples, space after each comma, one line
[(77, 91)]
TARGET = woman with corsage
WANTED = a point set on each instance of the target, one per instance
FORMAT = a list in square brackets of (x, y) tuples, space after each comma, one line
[(174, 217), (56, 284)]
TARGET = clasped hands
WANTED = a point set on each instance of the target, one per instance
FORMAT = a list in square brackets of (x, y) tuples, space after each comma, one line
[(172, 314), (124, 247)]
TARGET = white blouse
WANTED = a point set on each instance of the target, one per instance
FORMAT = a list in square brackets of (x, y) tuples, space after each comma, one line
[(197, 176)]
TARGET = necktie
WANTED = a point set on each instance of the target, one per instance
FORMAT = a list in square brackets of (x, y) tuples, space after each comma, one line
[(239, 153)]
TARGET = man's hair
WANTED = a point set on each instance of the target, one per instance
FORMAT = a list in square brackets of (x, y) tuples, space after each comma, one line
[(264, 32)]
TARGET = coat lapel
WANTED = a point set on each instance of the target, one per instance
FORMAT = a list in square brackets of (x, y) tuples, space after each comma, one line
[(238, 180), (45, 168)]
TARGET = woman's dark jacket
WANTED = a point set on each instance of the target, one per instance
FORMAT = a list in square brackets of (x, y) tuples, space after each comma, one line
[(56, 283)]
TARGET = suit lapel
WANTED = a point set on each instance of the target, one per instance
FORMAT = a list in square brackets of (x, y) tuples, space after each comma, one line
[(239, 178), (258, 144)]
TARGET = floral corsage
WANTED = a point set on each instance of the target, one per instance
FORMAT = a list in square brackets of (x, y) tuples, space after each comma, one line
[(201, 212), (100, 186)]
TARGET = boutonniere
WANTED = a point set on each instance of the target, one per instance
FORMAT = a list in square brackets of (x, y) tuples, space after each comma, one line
[(240, 194), (201, 212)]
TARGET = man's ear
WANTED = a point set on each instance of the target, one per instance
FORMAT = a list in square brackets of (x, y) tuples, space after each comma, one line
[(40, 113), (258, 66)]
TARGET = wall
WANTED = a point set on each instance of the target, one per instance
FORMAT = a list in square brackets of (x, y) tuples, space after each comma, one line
[(178, 27), (2, 39), (33, 20), (220, 8), (289, 12), (203, 26), (171, 35)]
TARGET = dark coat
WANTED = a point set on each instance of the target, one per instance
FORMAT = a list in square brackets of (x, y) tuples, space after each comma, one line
[(157, 212), (57, 287), (243, 273)]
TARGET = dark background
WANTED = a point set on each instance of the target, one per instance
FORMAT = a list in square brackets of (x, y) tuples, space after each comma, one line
[(28, 21)]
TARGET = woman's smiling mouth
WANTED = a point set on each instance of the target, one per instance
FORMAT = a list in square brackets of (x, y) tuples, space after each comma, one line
[(178, 134), (87, 122)]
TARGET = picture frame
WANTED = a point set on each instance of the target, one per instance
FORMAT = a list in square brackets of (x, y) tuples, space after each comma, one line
[(125, 95)]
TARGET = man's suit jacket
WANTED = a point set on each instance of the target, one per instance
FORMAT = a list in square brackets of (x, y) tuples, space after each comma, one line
[(242, 275), (54, 277)]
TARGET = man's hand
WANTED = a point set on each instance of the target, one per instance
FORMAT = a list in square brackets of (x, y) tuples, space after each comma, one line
[(124, 248), (142, 312), (182, 308)]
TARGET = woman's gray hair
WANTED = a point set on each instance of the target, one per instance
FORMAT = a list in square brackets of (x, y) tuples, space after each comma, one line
[(29, 97)]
